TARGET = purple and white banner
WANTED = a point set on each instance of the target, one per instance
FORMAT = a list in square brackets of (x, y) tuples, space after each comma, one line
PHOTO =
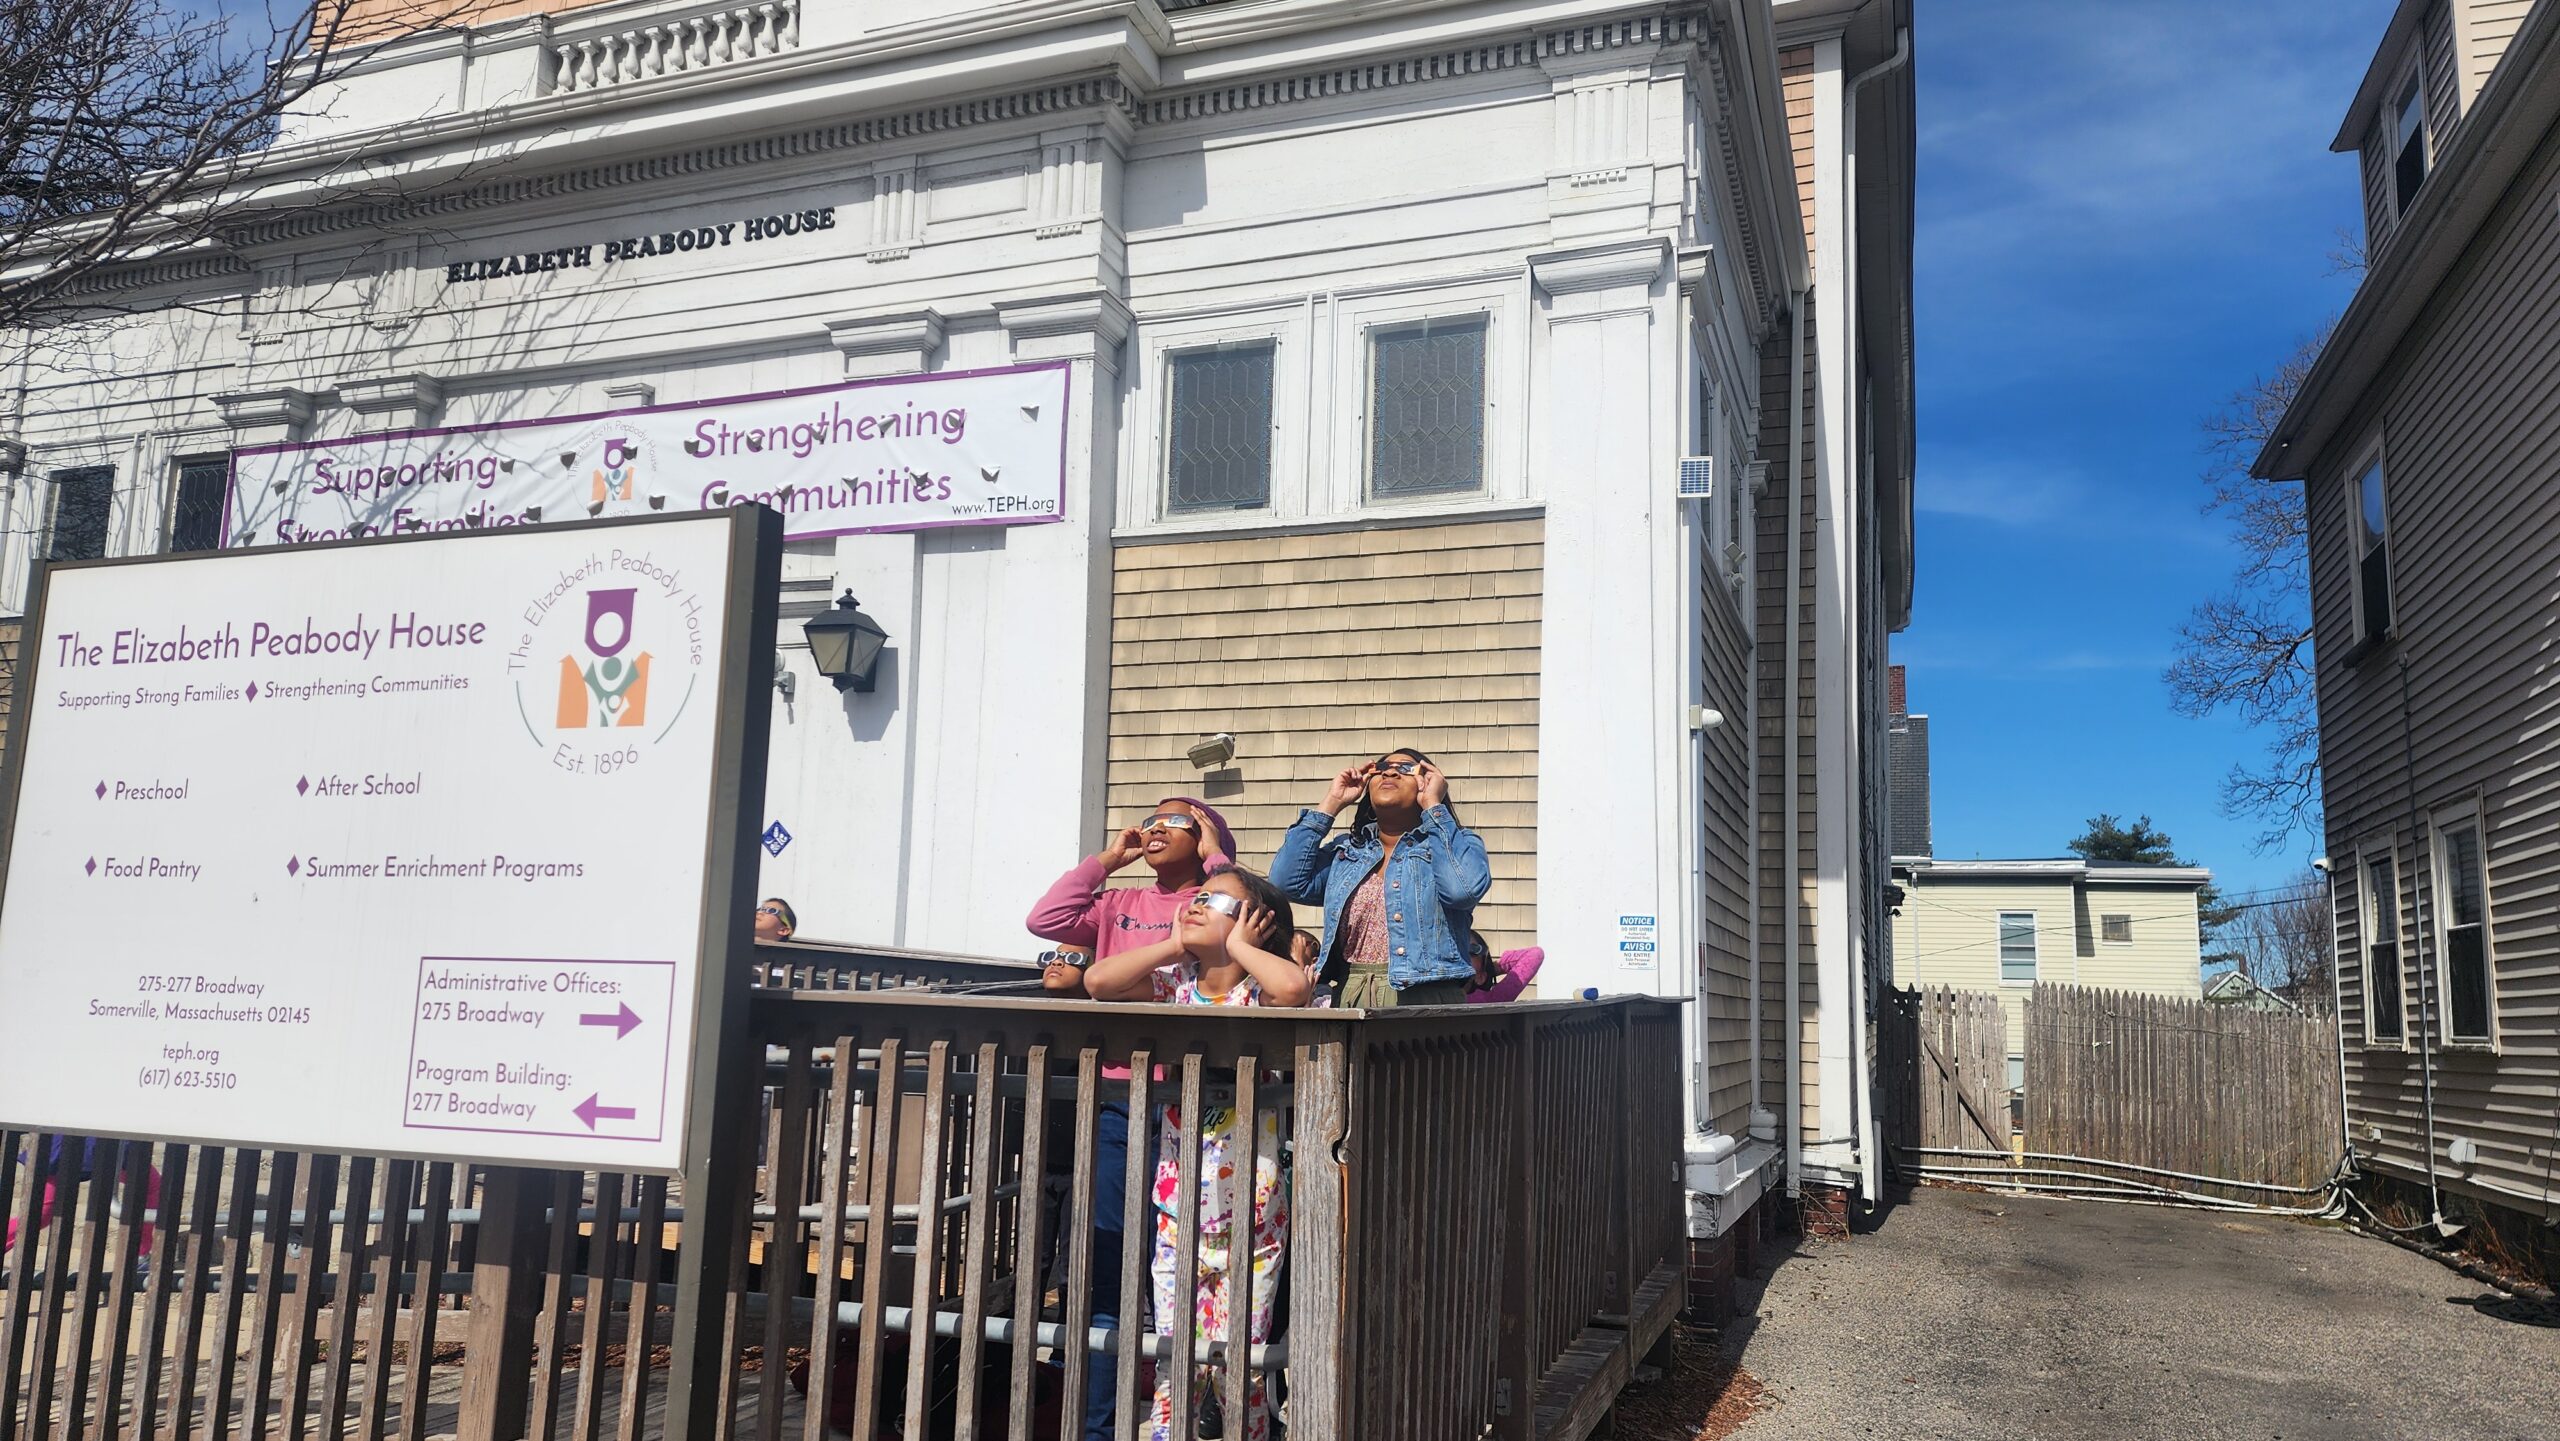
[(983, 447)]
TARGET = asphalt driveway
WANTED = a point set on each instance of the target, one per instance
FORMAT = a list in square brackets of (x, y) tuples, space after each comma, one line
[(1983, 1316)]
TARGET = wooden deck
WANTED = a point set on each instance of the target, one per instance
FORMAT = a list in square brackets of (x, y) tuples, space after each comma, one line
[(912, 1154)]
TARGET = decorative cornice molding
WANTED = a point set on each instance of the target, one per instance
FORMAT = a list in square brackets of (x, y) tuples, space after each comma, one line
[(1097, 313), (403, 400), (1088, 325), (260, 416), (1103, 92), (1576, 272), (1755, 240), (1568, 49), (141, 274), (873, 334), (1115, 95), (876, 345)]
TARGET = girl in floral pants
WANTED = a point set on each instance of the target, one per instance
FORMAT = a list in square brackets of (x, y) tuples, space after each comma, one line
[(1217, 957)]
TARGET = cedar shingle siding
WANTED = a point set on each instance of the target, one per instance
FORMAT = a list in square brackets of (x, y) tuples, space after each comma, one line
[(1784, 876), (1318, 651), (1729, 961)]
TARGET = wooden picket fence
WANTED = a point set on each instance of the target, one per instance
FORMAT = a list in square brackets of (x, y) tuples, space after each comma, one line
[(2241, 1096), (1942, 1072), (2126, 1096)]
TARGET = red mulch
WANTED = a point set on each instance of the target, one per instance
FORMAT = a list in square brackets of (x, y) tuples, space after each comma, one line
[(1704, 1397)]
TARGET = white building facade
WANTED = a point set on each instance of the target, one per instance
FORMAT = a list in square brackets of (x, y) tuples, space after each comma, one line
[(1385, 330)]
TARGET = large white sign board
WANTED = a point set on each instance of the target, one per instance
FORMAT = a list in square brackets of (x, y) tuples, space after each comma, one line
[(393, 848), (964, 448)]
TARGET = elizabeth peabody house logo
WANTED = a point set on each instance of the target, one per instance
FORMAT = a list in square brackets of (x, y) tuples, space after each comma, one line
[(611, 654)]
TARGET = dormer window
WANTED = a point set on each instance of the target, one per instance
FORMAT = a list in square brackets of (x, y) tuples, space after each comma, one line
[(2409, 143)]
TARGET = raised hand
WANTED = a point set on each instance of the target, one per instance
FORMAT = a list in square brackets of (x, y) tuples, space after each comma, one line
[(1252, 928), (1128, 847), (1211, 857), (1348, 787), (1430, 788)]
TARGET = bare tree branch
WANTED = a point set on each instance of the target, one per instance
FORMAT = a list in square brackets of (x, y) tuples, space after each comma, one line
[(2247, 650), (119, 120), (2283, 943)]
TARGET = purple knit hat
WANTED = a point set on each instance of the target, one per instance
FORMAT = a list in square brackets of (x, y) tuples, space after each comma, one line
[(1226, 838)]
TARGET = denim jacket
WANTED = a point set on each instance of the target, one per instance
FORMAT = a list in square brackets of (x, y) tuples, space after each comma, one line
[(1432, 886)]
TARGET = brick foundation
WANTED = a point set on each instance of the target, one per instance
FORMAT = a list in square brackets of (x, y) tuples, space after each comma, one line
[(1719, 1268), (1712, 1269), (1822, 1213)]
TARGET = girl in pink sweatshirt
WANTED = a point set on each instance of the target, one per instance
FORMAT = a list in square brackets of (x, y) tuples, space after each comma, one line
[(1183, 841)]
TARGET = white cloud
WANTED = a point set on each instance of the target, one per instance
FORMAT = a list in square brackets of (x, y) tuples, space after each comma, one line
[(2080, 129), (2059, 501)]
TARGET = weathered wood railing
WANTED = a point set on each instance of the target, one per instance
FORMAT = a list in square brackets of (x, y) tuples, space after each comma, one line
[(1484, 1232)]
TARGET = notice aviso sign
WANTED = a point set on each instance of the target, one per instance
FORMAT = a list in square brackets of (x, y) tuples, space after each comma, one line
[(393, 848), (960, 449)]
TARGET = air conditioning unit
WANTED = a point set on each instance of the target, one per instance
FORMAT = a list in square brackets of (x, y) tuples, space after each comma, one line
[(1697, 477)]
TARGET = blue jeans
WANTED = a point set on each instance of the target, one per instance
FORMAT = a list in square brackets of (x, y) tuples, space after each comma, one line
[(1110, 1206)]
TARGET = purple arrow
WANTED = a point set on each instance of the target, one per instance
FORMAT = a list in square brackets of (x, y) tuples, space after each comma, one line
[(589, 1112), (622, 1023)]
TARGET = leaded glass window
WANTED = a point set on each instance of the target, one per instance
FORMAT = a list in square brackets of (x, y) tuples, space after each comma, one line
[(83, 501), (1426, 408), (1218, 450), (204, 487)]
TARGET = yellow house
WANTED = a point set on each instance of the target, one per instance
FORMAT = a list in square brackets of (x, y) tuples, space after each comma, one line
[(2002, 926)]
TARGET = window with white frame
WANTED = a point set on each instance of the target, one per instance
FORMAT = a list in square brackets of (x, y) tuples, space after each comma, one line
[(2116, 930), (1426, 407), (1218, 428), (2385, 990), (2409, 141), (2462, 929), (1325, 409), (2017, 948), (2369, 526)]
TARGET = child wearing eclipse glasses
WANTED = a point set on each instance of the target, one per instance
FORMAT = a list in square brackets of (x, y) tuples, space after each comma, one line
[(1226, 950), (1184, 842)]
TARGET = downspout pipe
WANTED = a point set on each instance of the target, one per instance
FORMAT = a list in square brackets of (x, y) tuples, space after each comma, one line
[(2338, 1010), (1793, 898), (1862, 1118), (2427, 998)]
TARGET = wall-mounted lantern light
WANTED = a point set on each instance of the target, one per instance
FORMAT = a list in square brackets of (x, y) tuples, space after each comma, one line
[(845, 644)]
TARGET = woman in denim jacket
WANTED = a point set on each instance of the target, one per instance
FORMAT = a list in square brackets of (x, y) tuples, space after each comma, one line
[(1399, 891)]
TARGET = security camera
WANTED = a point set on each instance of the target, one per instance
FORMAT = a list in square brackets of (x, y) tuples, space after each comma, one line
[(1213, 752), (2320, 864)]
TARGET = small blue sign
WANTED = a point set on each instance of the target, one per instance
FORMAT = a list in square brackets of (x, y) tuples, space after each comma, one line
[(776, 838), (1635, 945)]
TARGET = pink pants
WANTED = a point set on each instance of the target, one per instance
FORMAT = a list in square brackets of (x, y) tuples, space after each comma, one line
[(44, 1212)]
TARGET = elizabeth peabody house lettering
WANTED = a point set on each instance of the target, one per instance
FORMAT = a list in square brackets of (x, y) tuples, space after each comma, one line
[(645, 247)]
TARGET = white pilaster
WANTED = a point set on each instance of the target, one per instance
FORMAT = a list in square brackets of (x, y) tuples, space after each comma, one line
[(1607, 805), (1835, 771)]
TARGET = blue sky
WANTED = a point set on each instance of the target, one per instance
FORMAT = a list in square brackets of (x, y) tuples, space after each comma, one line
[(2125, 212)]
